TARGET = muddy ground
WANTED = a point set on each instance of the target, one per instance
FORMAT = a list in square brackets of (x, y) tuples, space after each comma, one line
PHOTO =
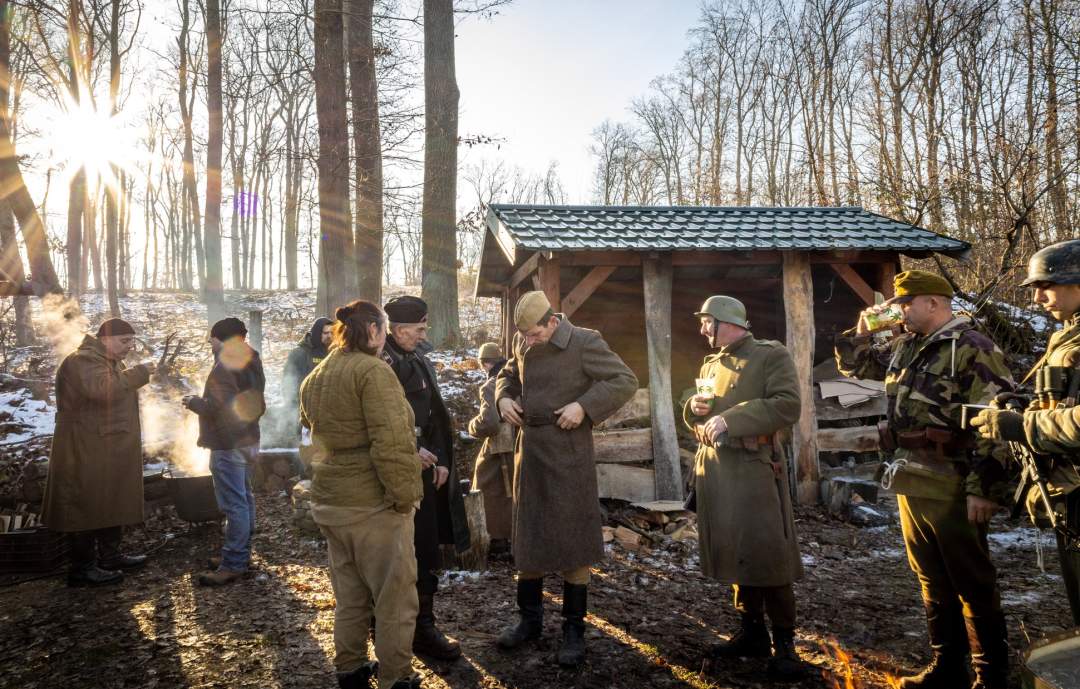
[(651, 616)]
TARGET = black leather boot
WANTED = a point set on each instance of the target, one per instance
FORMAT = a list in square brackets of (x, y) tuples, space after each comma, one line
[(785, 664), (428, 640), (575, 604), (948, 642), (94, 576), (989, 650), (751, 640), (407, 683), (530, 601), (360, 678)]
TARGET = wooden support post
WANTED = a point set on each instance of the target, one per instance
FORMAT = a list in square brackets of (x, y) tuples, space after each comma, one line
[(799, 316), (888, 272), (855, 282), (549, 282), (657, 278), (255, 331), (507, 322), (584, 289)]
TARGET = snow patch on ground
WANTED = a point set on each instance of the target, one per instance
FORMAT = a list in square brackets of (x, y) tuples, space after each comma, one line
[(1022, 538), (35, 417)]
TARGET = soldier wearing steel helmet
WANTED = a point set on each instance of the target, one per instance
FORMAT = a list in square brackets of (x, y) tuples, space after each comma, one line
[(559, 382), (948, 482), (1051, 424), (743, 503)]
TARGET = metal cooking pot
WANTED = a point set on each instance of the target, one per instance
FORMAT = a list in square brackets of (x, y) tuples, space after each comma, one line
[(194, 498), (1053, 662)]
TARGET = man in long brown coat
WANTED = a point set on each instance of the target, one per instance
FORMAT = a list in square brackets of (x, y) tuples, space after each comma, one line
[(95, 484), (494, 472), (560, 381), (743, 504)]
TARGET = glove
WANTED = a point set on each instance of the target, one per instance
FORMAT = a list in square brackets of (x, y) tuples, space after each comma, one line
[(998, 424), (1010, 400)]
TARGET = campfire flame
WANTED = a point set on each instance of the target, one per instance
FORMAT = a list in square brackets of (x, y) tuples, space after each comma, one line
[(844, 676)]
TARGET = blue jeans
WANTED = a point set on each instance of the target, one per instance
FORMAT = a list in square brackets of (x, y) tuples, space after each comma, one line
[(232, 471)]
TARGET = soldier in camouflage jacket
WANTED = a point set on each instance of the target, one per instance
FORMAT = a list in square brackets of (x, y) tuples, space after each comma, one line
[(948, 484), (1051, 425)]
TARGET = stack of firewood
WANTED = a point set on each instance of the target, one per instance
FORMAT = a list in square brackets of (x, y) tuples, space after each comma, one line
[(645, 525)]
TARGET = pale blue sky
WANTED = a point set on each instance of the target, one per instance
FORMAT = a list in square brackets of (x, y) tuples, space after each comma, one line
[(544, 73)]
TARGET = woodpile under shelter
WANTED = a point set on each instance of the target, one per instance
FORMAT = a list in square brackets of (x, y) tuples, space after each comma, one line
[(638, 274)]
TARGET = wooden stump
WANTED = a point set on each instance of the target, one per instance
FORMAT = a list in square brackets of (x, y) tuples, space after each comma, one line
[(477, 556)]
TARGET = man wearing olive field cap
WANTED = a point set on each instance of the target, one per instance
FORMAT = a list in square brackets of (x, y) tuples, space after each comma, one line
[(559, 381)]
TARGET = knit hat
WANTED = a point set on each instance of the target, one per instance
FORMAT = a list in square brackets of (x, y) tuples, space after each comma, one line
[(115, 326)]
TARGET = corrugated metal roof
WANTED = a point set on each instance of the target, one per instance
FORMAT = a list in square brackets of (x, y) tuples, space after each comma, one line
[(713, 228)]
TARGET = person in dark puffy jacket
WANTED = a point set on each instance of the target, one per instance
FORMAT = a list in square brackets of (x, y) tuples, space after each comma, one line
[(229, 410), (302, 360)]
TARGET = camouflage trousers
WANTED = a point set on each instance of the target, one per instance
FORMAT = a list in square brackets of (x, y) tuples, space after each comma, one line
[(949, 555)]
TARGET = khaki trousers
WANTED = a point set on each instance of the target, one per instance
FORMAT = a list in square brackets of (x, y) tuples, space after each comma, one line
[(949, 554), (373, 569), (579, 576)]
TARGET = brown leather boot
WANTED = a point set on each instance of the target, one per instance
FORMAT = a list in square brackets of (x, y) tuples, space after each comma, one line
[(428, 640), (948, 641), (989, 650), (219, 577)]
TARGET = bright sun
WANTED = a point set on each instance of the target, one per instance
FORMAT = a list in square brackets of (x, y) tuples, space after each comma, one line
[(85, 137)]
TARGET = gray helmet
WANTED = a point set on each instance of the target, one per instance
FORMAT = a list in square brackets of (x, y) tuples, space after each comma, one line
[(1058, 264), (725, 309)]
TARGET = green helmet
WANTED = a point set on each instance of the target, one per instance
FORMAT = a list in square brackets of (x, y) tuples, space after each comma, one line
[(725, 310), (1058, 264)]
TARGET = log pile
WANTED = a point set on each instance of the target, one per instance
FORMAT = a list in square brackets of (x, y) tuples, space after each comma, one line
[(645, 525)]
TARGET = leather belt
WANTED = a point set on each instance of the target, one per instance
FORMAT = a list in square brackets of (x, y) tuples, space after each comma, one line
[(547, 419)]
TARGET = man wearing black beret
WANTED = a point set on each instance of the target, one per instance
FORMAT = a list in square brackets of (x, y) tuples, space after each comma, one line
[(441, 517)]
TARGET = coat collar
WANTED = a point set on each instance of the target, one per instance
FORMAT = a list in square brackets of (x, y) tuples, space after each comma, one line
[(561, 337), (738, 345), (92, 345)]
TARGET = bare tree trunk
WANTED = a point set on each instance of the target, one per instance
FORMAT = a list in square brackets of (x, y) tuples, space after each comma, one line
[(214, 286), (363, 86), (11, 179), (335, 244), (112, 217), (439, 215), (77, 192)]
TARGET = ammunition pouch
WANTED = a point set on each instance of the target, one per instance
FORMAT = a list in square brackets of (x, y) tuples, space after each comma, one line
[(934, 443), (886, 438)]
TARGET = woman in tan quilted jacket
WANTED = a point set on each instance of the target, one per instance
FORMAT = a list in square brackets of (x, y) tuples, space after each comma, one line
[(365, 489)]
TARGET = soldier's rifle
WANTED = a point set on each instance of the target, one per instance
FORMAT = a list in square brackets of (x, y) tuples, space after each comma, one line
[(1032, 476)]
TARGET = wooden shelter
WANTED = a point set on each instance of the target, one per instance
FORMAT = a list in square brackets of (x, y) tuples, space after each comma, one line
[(637, 274)]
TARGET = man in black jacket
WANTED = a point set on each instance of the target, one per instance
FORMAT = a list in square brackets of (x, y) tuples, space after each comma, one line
[(229, 410), (441, 517)]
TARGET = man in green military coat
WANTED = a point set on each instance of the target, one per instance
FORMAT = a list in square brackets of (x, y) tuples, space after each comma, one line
[(948, 483), (744, 507), (560, 381), (1051, 424)]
